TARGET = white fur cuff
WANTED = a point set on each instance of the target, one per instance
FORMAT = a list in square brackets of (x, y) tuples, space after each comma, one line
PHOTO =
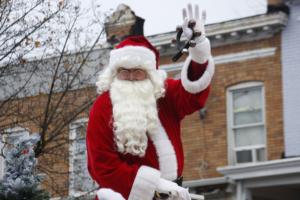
[(201, 52), (144, 184), (203, 82), (108, 194)]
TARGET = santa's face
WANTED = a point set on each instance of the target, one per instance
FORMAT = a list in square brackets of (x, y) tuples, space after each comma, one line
[(134, 110)]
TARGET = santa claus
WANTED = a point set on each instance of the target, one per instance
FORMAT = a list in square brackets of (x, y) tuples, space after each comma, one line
[(133, 136)]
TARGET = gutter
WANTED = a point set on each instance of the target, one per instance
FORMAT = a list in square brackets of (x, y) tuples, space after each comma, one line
[(205, 182)]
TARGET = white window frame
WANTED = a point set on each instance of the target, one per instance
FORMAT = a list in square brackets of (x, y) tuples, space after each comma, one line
[(15, 131), (230, 136), (72, 137)]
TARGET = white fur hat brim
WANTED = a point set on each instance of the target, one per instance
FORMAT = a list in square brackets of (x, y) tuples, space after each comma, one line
[(132, 57)]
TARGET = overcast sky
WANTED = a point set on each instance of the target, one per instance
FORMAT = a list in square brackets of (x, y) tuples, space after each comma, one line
[(164, 15)]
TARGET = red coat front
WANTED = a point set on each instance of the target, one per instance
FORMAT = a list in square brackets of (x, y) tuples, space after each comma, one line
[(133, 176)]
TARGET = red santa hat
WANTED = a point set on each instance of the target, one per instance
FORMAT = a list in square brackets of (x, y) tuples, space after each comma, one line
[(134, 52)]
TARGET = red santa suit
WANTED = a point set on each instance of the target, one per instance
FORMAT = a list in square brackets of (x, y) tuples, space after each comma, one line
[(136, 177)]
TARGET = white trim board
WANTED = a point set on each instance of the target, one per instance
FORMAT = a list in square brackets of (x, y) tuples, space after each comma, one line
[(228, 58), (205, 182), (262, 169)]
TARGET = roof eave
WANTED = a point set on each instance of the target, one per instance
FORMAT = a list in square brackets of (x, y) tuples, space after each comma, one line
[(230, 32)]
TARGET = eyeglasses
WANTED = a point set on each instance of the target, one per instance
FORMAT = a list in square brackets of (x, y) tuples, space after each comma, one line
[(131, 74), (161, 196)]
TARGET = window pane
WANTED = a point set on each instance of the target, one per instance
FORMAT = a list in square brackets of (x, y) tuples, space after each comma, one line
[(81, 178), (254, 116), (83, 183), (81, 131), (80, 147), (80, 141), (260, 154), (249, 136), (247, 98), (247, 105), (243, 156)]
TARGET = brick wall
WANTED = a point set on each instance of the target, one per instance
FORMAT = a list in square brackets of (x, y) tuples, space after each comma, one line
[(274, 2)]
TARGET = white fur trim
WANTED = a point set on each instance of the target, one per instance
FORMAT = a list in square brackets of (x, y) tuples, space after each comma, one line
[(163, 74), (104, 80), (200, 84), (132, 57), (201, 52), (144, 184), (108, 194), (166, 154)]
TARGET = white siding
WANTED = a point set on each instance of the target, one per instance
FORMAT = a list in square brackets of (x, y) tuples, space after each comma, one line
[(291, 82), (36, 76)]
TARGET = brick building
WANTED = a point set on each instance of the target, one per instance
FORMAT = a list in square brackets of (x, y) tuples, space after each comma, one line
[(242, 145)]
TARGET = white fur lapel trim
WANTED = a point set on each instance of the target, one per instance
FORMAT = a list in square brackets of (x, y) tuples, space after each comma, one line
[(200, 84), (166, 154)]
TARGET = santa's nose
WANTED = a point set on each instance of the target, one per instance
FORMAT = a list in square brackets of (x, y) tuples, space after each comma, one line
[(133, 77)]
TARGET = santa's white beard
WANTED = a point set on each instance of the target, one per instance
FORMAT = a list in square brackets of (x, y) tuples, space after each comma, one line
[(134, 114)]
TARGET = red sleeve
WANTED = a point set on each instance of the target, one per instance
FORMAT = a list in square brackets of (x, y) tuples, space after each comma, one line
[(183, 101), (104, 163)]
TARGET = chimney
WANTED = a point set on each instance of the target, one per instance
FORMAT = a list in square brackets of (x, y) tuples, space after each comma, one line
[(123, 23), (278, 6), (274, 2)]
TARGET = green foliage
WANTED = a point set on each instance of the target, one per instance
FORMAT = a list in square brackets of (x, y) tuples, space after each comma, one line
[(24, 193)]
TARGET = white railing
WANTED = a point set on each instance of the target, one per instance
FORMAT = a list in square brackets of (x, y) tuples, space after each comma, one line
[(197, 197), (193, 197)]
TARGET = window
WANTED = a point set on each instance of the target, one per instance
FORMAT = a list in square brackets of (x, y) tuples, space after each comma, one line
[(80, 181), (8, 138), (246, 123)]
